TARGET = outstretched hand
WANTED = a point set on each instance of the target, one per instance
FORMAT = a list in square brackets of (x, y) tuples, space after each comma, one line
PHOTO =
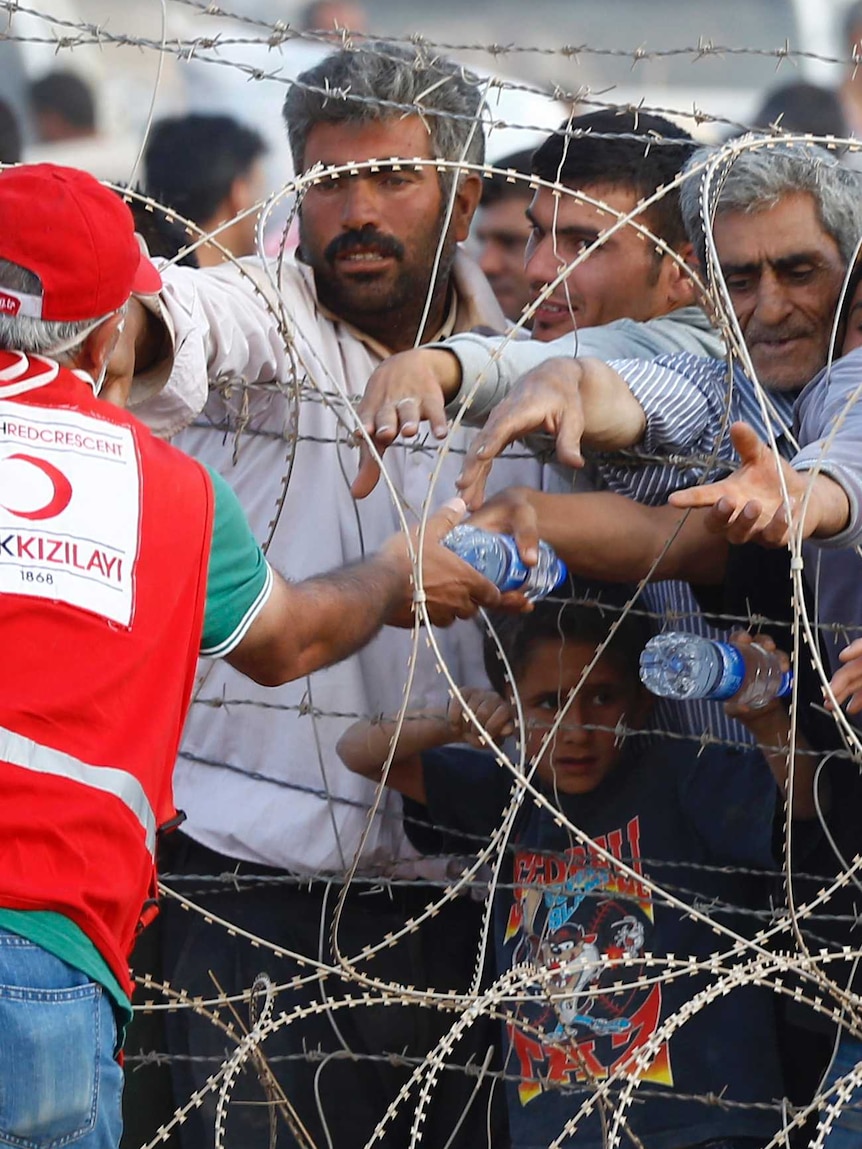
[(401, 392), (546, 399), (749, 505)]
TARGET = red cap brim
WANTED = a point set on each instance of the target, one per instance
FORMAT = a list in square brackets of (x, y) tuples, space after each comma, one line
[(147, 280)]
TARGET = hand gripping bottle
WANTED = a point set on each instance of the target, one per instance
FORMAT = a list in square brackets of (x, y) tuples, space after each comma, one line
[(681, 666), (496, 557)]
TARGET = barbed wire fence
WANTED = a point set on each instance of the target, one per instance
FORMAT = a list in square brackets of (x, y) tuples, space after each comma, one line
[(787, 944)]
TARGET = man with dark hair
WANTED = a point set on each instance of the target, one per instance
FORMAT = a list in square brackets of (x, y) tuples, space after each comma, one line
[(287, 347), (209, 170), (501, 230), (604, 156), (63, 107)]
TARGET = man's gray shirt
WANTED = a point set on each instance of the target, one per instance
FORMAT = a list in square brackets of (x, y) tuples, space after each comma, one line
[(492, 365)]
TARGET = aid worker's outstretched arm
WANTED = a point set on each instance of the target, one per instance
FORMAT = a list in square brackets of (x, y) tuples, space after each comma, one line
[(302, 627)]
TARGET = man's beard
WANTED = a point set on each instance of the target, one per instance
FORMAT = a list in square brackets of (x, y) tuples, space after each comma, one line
[(363, 295)]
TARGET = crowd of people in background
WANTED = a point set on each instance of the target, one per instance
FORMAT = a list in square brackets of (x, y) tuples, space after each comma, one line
[(551, 322)]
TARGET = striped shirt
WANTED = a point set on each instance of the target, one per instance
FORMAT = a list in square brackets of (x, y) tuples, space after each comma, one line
[(690, 403)]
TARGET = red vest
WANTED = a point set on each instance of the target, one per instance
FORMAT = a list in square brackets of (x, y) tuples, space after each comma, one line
[(104, 542)]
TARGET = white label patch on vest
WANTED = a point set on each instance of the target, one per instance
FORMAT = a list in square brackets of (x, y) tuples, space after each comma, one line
[(70, 505)]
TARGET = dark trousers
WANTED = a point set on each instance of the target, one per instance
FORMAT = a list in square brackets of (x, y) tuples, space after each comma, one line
[(340, 1067)]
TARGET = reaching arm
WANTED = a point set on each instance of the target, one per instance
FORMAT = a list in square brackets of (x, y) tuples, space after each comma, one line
[(214, 323), (749, 505), (365, 746), (581, 402), (305, 626), (770, 725), (600, 534)]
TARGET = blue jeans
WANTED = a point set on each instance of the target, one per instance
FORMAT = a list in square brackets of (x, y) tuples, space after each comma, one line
[(60, 1084), (846, 1131)]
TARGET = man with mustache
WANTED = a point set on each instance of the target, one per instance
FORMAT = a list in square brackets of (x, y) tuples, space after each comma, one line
[(286, 348)]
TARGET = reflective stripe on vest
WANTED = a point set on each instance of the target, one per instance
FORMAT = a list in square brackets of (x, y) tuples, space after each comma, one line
[(20, 751)]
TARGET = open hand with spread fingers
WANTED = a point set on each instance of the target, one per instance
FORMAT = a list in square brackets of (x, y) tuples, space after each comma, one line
[(750, 505)]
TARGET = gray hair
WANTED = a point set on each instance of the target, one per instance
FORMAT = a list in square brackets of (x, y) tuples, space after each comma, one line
[(357, 85), (35, 336), (758, 178)]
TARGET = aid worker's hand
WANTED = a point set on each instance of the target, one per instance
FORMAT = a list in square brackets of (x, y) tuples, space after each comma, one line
[(452, 588)]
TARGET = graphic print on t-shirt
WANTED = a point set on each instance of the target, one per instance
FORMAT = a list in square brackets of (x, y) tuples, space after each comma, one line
[(69, 509), (577, 920)]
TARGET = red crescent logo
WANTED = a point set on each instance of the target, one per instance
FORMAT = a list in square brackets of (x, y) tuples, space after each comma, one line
[(62, 490)]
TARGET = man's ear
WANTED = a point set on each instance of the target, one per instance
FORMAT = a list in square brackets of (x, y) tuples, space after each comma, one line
[(467, 196), (240, 196), (96, 349), (681, 290)]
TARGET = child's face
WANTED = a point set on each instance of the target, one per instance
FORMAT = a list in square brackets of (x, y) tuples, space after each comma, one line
[(579, 758)]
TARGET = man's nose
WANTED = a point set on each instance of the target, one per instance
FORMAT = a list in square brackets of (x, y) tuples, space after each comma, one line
[(572, 729), (544, 264), (491, 258), (773, 303), (361, 205)]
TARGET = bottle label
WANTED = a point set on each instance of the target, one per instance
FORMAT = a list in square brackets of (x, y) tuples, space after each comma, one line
[(732, 672), (518, 571), (786, 684)]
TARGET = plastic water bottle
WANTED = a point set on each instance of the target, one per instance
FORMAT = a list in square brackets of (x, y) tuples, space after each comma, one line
[(681, 666), (496, 557)]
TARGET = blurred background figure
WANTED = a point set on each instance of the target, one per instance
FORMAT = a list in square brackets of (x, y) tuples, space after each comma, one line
[(10, 135), (850, 92), (256, 101), (332, 17), (501, 230), (210, 169), (64, 116), (63, 107), (802, 107)]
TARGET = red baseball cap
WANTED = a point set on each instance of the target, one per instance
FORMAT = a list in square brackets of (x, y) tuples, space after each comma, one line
[(77, 236)]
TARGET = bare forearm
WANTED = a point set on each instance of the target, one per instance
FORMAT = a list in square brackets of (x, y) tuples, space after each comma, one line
[(341, 612), (365, 746), (601, 534), (306, 626), (613, 418), (771, 728), (831, 507)]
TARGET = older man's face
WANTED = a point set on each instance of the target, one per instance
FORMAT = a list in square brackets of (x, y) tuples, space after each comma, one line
[(784, 274)]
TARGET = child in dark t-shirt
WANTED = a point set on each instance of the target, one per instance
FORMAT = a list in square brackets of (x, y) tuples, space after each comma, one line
[(593, 960)]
